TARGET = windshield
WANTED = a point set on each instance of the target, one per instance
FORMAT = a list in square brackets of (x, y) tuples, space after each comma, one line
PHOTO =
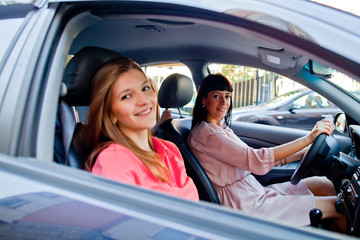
[(343, 81)]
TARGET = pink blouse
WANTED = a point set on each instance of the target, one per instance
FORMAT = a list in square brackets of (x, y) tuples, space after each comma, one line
[(119, 163), (229, 162)]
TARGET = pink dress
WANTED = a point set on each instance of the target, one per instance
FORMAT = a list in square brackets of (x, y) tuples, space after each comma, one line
[(228, 161), (119, 163)]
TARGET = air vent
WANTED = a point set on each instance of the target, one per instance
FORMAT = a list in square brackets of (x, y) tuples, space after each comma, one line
[(150, 28), (168, 22)]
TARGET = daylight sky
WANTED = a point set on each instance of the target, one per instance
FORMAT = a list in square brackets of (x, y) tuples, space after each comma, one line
[(352, 6)]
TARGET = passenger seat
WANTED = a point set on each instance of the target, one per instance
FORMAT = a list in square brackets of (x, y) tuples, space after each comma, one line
[(76, 91), (175, 92)]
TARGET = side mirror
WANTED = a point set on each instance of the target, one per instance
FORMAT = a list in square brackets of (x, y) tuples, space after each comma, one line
[(340, 123), (294, 106)]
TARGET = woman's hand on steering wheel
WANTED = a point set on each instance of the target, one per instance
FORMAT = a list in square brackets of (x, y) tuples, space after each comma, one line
[(319, 136), (323, 126)]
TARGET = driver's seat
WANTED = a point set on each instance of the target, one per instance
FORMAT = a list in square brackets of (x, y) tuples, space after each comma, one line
[(175, 92)]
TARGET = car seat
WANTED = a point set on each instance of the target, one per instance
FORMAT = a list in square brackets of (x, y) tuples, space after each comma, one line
[(76, 91), (175, 92)]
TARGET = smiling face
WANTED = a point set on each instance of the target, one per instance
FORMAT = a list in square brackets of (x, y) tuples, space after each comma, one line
[(133, 103), (217, 104)]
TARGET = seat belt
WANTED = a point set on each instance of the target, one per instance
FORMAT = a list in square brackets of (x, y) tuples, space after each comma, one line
[(68, 123)]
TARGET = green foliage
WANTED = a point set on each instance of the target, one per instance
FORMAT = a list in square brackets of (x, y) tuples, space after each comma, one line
[(238, 73), (4, 3)]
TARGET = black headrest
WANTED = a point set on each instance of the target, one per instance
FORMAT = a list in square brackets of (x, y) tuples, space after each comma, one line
[(175, 91), (80, 71)]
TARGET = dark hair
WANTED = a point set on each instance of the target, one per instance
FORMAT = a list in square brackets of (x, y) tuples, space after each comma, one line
[(210, 83)]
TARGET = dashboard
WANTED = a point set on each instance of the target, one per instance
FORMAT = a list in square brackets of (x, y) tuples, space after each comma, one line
[(355, 137), (348, 197)]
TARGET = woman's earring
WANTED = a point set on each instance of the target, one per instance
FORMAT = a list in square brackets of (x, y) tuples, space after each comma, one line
[(203, 105)]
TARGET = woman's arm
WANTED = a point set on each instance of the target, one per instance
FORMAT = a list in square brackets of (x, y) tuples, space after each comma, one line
[(287, 149), (166, 115), (213, 145)]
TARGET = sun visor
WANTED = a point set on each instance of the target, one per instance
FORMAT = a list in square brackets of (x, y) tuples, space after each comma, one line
[(280, 59)]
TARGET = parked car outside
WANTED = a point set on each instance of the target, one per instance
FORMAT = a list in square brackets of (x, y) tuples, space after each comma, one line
[(300, 109), (45, 191)]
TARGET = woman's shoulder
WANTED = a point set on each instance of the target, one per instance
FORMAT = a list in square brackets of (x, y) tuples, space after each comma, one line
[(163, 143), (115, 146), (116, 162), (164, 147), (114, 149), (206, 128)]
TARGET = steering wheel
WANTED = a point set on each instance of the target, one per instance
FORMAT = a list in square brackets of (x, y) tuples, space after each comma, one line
[(321, 148)]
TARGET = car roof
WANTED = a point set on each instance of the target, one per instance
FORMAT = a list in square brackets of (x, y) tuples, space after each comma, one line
[(301, 18), (178, 37)]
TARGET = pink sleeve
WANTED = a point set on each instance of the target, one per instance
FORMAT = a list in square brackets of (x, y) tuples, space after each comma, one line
[(236, 153), (118, 163)]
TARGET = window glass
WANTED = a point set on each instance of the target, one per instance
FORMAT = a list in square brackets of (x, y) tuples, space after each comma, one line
[(159, 72), (351, 86), (345, 82), (302, 102), (4, 3)]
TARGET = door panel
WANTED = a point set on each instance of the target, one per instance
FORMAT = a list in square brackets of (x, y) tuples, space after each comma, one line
[(258, 135)]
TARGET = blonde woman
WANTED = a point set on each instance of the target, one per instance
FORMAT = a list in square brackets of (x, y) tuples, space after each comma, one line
[(121, 113)]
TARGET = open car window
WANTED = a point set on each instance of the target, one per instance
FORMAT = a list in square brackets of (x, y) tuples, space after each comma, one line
[(265, 97), (254, 86)]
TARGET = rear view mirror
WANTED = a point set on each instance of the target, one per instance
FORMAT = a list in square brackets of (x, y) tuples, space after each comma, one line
[(319, 70)]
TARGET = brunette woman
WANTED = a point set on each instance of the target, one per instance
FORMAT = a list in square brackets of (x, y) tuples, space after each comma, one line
[(229, 163)]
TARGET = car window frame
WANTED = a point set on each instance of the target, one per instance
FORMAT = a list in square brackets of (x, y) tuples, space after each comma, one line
[(24, 67), (17, 16)]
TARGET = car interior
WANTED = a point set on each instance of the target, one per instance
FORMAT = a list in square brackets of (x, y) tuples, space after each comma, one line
[(152, 35), (176, 92)]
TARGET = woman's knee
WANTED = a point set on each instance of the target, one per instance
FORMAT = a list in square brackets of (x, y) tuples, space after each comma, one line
[(320, 186), (326, 206)]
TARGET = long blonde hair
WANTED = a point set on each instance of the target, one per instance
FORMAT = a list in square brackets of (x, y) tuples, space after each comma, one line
[(102, 132)]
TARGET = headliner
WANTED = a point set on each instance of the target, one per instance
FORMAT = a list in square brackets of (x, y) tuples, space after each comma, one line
[(150, 39)]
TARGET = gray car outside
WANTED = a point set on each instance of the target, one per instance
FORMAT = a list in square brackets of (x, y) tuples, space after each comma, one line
[(297, 109)]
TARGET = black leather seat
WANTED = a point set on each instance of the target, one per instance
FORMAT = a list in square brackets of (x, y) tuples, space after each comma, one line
[(175, 92), (76, 91)]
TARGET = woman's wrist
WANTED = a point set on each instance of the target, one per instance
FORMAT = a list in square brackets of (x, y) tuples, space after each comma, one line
[(309, 139), (282, 162)]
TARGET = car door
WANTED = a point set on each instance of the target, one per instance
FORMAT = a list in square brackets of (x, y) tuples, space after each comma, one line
[(32, 75), (22, 69), (260, 135)]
